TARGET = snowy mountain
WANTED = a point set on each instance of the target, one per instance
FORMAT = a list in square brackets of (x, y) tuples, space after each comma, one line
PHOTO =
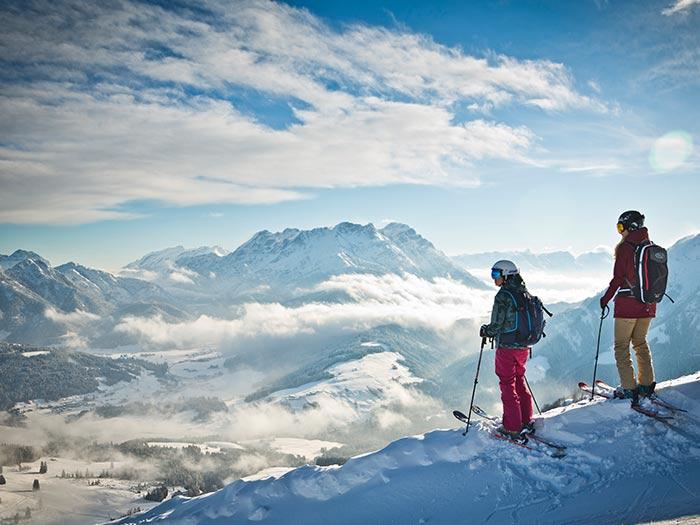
[(275, 264), (8, 261), (620, 467), (39, 304), (559, 261), (286, 267), (164, 261)]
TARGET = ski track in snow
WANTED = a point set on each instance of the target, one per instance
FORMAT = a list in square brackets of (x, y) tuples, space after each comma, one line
[(621, 467)]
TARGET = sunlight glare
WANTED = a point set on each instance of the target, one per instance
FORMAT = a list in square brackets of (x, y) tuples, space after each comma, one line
[(670, 151)]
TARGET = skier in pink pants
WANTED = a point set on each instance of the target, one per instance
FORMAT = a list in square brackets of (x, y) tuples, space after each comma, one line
[(510, 356)]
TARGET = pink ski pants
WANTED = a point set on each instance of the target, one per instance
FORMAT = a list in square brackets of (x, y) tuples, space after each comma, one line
[(517, 401)]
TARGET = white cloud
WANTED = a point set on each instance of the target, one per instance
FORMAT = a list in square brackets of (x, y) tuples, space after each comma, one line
[(145, 275), (378, 300), (553, 287), (182, 275), (135, 103), (76, 318), (679, 6)]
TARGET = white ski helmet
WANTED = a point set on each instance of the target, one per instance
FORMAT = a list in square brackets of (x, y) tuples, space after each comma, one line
[(503, 268)]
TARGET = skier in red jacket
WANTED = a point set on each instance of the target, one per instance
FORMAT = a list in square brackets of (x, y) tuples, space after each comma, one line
[(632, 317)]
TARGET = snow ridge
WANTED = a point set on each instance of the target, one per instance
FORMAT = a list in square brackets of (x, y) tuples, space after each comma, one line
[(621, 467)]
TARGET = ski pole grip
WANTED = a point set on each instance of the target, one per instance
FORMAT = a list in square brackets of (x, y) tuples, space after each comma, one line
[(604, 312)]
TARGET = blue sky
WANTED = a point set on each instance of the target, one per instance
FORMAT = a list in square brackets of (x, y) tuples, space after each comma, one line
[(484, 125)]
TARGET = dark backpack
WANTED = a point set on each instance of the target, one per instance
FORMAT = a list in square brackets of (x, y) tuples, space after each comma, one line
[(529, 320), (651, 269)]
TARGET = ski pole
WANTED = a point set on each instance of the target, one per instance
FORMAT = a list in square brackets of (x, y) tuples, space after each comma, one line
[(533, 396), (476, 380), (603, 314)]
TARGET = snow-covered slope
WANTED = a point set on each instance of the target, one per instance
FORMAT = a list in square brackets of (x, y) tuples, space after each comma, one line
[(165, 260), (621, 467)]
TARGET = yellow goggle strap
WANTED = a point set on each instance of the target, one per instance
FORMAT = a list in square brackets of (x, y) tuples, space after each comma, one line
[(620, 227)]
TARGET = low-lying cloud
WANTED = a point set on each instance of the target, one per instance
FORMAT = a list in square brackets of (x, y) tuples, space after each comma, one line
[(76, 318), (377, 300)]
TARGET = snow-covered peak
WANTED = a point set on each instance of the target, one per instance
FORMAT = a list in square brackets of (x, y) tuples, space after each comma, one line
[(18, 256), (295, 257), (164, 260), (156, 260), (29, 266), (395, 229), (218, 251)]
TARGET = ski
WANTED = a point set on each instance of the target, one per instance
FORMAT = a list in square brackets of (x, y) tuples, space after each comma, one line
[(463, 418), (654, 398), (655, 414), (606, 393), (523, 444), (530, 435), (559, 451), (598, 392), (480, 412)]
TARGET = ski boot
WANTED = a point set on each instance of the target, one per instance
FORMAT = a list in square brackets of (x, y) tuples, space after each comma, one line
[(647, 390), (627, 393), (529, 428), (513, 435)]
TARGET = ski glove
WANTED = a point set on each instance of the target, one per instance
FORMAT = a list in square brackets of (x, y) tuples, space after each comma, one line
[(483, 331), (603, 303)]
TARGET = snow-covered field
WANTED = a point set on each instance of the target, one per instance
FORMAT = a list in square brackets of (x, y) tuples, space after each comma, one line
[(63, 501), (621, 467), (359, 384)]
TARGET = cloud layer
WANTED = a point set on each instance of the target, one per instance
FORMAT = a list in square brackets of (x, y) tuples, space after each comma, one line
[(247, 102), (378, 300)]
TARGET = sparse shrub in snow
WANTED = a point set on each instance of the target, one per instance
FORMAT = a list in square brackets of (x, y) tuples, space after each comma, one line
[(157, 494)]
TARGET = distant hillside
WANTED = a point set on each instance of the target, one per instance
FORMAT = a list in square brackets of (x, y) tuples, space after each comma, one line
[(30, 373)]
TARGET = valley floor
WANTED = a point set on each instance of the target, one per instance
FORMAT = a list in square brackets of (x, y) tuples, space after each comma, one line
[(65, 501)]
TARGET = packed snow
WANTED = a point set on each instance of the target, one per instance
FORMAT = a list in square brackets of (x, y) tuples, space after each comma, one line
[(359, 384), (621, 467)]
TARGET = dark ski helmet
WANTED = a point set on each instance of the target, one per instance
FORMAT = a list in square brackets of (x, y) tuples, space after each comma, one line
[(630, 220), (503, 268)]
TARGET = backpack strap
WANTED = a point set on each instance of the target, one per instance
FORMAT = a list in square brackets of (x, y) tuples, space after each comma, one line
[(517, 308)]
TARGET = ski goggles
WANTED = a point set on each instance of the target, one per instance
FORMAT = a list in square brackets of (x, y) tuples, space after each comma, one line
[(620, 227), (496, 273)]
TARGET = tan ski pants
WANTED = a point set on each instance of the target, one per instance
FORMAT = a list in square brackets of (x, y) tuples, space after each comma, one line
[(634, 331)]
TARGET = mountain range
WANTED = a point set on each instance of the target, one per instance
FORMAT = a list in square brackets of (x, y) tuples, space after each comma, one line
[(72, 304), (593, 262), (273, 265), (183, 283)]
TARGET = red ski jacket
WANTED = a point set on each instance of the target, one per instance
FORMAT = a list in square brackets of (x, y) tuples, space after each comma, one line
[(624, 276)]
